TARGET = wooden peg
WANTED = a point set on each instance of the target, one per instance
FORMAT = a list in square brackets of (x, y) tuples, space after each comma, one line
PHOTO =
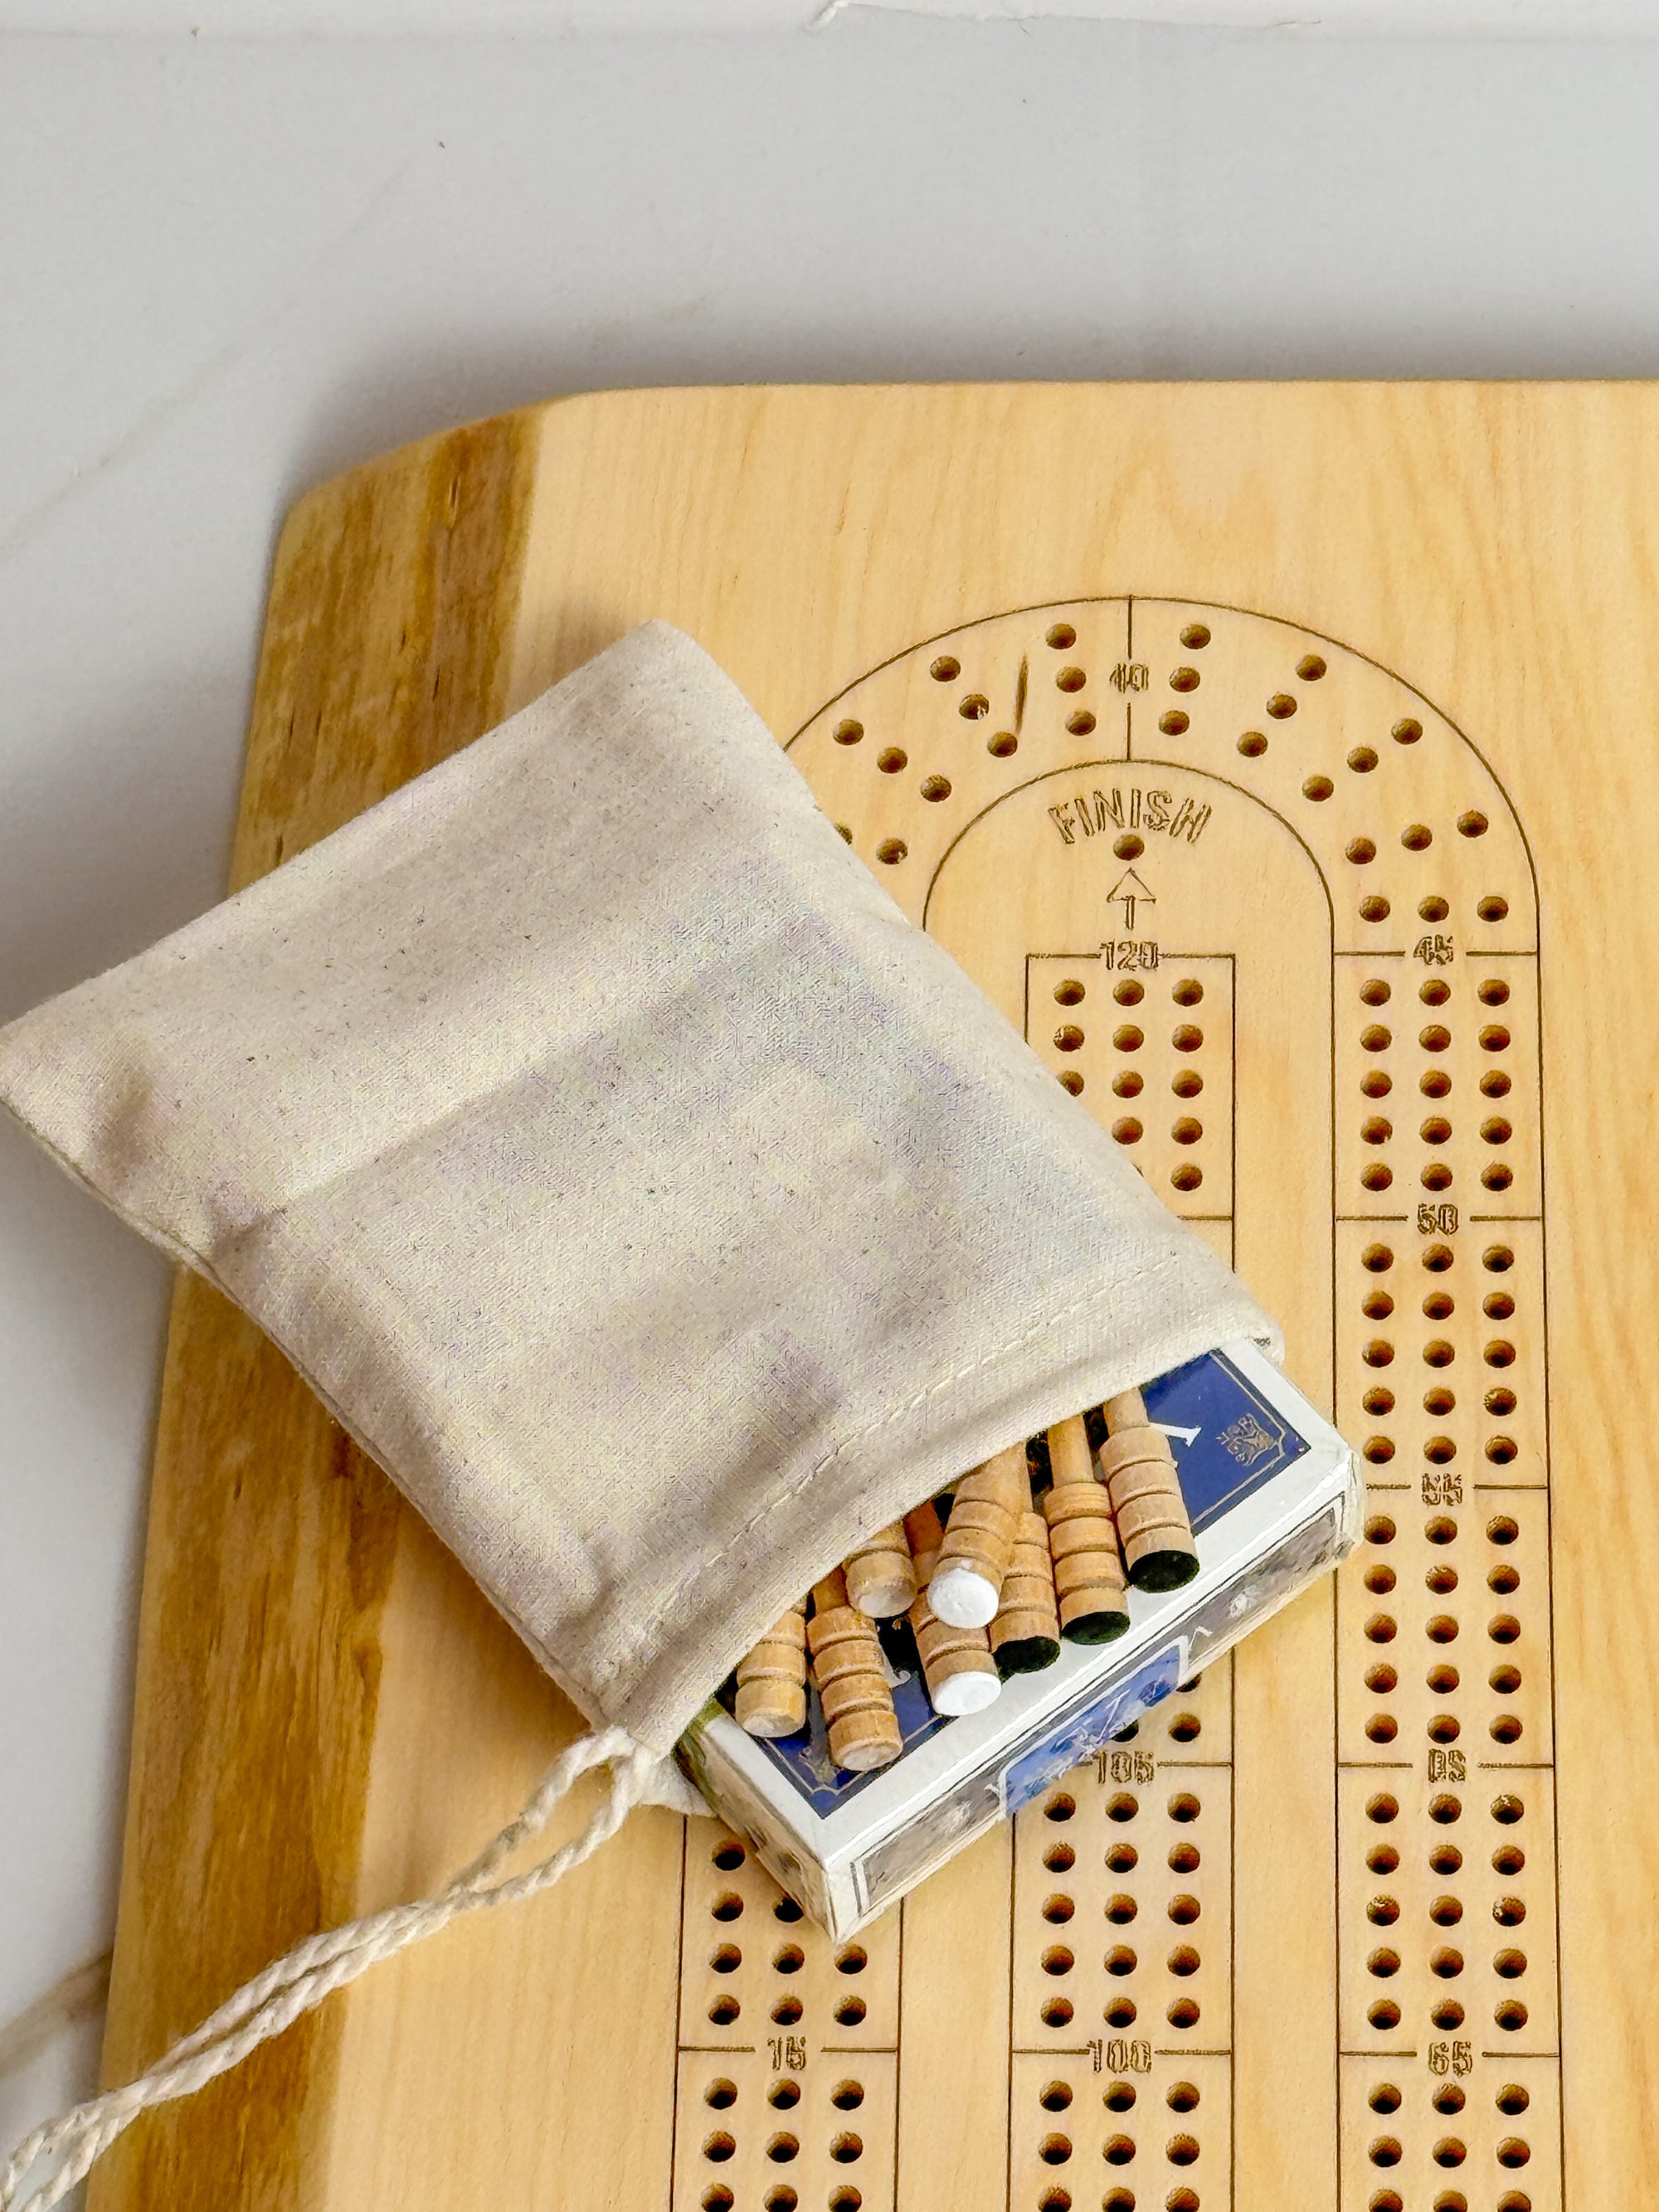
[(1025, 1634), (979, 1537), (881, 1580), (1089, 1582), (772, 1679), (956, 1663), (851, 1682), (1145, 1493)]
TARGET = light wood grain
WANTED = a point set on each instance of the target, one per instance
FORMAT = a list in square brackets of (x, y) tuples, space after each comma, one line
[(327, 1715)]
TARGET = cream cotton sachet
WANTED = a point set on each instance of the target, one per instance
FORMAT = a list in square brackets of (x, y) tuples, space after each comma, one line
[(655, 1202), (659, 1206)]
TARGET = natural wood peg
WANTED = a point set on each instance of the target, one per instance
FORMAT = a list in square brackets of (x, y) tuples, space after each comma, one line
[(1145, 1493), (772, 1679), (956, 1663), (979, 1537), (1089, 1584), (851, 1681), (881, 1580), (1025, 1634)]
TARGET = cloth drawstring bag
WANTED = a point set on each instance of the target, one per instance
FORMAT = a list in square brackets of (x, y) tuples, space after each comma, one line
[(646, 1194)]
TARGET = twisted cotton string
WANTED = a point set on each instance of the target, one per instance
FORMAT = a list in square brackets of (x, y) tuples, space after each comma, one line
[(299, 1982)]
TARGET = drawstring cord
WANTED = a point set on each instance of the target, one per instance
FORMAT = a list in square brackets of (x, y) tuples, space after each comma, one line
[(314, 1969)]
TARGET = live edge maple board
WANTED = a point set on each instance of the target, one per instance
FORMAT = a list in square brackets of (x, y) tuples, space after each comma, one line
[(1281, 760)]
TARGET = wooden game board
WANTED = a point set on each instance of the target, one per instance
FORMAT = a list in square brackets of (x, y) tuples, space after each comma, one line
[(1280, 760)]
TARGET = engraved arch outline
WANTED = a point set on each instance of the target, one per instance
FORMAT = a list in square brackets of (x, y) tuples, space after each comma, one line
[(1130, 600)]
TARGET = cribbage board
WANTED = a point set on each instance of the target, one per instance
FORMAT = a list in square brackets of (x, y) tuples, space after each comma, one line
[(1278, 759)]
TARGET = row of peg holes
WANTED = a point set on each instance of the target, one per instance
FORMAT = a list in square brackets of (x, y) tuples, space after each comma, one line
[(725, 1959), (1416, 837), (1122, 1857), (1376, 1083), (1451, 2200), (1118, 2200), (1439, 1353), (721, 2094), (973, 707), (782, 2199), (1129, 1083), (1443, 1679)]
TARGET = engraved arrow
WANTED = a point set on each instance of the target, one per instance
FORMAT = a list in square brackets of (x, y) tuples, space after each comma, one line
[(1131, 891)]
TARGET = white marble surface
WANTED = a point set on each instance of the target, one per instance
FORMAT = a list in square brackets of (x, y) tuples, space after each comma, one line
[(227, 270)]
